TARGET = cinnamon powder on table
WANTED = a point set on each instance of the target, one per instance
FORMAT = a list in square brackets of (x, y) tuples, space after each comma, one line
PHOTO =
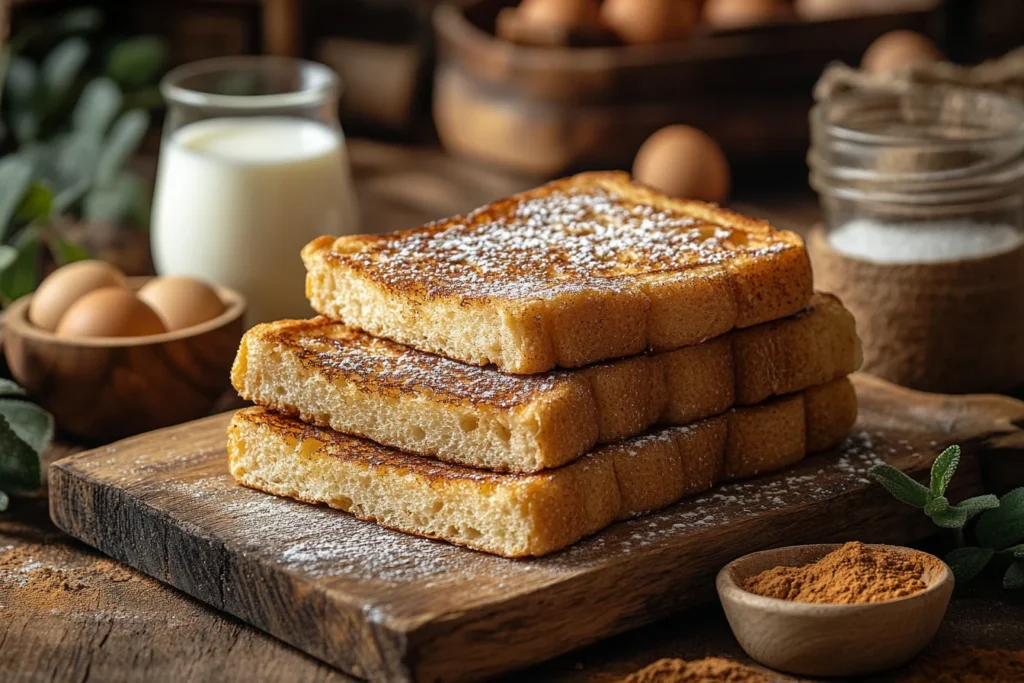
[(852, 574), (707, 670)]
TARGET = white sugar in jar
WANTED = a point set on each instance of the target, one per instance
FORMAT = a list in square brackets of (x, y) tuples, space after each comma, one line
[(922, 196)]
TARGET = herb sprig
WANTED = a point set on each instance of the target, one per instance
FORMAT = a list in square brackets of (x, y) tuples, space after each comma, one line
[(998, 530), (25, 430)]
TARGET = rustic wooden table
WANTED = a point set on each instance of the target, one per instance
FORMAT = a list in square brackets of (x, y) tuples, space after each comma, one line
[(69, 614)]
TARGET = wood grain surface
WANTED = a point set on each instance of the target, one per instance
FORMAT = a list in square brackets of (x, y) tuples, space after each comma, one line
[(386, 606)]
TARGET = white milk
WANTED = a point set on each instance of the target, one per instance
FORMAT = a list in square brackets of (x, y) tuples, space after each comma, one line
[(238, 198)]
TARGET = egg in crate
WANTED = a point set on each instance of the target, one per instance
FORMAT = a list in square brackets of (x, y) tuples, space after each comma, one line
[(683, 161), (897, 50), (729, 14), (650, 21)]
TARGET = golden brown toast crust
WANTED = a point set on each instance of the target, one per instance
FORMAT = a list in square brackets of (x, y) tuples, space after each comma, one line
[(532, 514), (334, 376), (580, 270)]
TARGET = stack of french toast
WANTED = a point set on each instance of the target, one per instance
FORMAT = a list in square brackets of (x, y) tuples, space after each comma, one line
[(520, 377)]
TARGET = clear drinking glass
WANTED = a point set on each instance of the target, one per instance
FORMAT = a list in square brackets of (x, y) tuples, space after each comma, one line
[(253, 165)]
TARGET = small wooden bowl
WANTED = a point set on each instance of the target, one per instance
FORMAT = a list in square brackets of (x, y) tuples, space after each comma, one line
[(103, 389), (830, 640)]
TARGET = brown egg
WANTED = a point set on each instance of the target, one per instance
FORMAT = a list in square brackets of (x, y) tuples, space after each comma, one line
[(728, 14), (825, 10), (650, 21), (683, 162), (562, 13), (181, 301), (110, 312), (899, 49), (68, 284)]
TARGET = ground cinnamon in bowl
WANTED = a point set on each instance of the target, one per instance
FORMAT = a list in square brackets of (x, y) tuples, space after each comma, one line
[(852, 574)]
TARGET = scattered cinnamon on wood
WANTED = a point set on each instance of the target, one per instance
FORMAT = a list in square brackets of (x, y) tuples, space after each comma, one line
[(707, 670), (964, 664), (851, 574)]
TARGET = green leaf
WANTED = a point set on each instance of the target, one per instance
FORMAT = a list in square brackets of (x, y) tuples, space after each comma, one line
[(1013, 579), (79, 20), (949, 518), (9, 387), (15, 179), (65, 252), (136, 62), (97, 106), (72, 168), (118, 203), (977, 505), (20, 466), (125, 136), (32, 424), (936, 505), (7, 256), (943, 469), (22, 83), (61, 67), (902, 487), (20, 278), (1004, 526), (968, 562), (3, 501), (36, 205)]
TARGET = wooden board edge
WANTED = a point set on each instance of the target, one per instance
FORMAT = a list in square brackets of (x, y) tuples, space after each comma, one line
[(77, 504)]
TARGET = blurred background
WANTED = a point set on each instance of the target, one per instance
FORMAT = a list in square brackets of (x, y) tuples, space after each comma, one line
[(446, 106)]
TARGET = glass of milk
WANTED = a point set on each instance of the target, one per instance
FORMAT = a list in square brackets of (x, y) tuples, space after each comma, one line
[(252, 167)]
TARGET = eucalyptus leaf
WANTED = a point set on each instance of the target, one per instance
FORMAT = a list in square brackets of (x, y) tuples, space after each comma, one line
[(943, 469), (1013, 579), (36, 205), (125, 136), (117, 203), (968, 562), (4, 500), (15, 179), (7, 256), (20, 466), (61, 67), (79, 20), (22, 83), (9, 387), (136, 62), (32, 424), (65, 252), (97, 106), (25, 125), (1004, 526), (902, 487), (19, 278)]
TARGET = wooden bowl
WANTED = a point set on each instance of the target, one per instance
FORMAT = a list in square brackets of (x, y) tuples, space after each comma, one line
[(830, 640), (103, 389)]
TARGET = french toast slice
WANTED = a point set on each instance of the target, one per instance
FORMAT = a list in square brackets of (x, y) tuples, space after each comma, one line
[(518, 515), (580, 270), (334, 376)]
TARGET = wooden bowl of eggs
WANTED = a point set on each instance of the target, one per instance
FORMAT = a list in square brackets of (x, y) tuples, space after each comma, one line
[(112, 356)]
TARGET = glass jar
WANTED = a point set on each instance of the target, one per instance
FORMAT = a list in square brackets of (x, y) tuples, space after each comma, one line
[(922, 196), (252, 167), (926, 175)]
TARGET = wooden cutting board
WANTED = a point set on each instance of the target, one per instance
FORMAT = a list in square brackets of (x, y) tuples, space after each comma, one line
[(390, 607)]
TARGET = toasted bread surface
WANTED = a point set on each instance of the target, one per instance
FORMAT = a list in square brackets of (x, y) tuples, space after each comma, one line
[(517, 515), (335, 376), (580, 270)]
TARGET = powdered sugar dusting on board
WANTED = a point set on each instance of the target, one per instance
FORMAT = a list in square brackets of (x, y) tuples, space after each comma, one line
[(564, 240), (330, 544)]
